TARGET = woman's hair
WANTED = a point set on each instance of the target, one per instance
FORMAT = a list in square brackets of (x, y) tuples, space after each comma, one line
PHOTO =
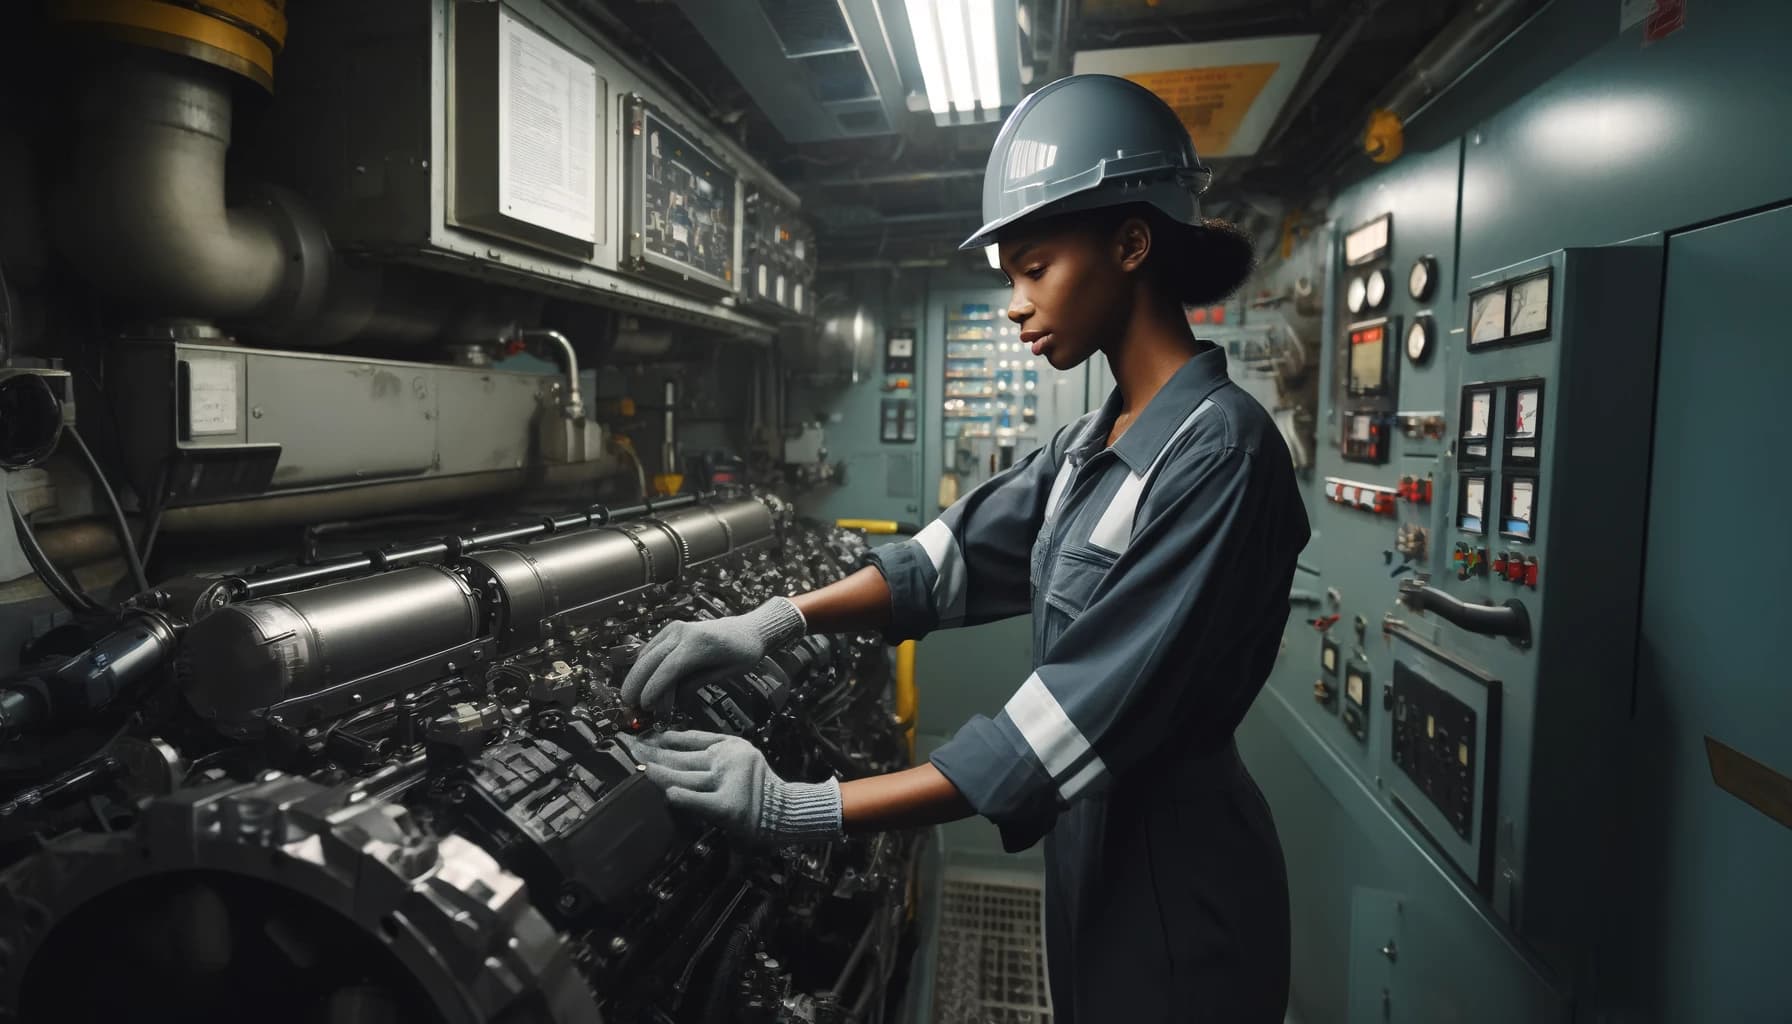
[(1199, 264)]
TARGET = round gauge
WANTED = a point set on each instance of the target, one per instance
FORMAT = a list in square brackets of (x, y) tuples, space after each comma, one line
[(1418, 339), (1377, 288), (1354, 295), (1421, 281)]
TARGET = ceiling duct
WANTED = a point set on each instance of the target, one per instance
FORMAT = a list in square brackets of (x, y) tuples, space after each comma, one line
[(820, 69)]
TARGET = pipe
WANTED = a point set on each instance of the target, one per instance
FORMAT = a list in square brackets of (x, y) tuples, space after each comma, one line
[(1468, 37), (669, 463), (1066, 27), (143, 213), (908, 701), (900, 178), (574, 406)]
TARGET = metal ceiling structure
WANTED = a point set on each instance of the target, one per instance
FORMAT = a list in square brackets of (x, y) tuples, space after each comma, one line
[(886, 185)]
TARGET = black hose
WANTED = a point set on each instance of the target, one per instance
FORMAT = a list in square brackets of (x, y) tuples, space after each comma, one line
[(722, 1000), (70, 594), (125, 540), (6, 321)]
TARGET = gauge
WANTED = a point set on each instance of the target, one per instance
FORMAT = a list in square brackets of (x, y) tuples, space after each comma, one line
[(1487, 316), (1472, 509), (1521, 503), (1480, 414), (1354, 294), (1529, 302), (1376, 289), (1418, 339), (1421, 281), (1524, 412)]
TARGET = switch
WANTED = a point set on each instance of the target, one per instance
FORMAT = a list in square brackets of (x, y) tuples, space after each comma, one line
[(1323, 692), (1499, 564), (1427, 490), (1530, 573), (1515, 569)]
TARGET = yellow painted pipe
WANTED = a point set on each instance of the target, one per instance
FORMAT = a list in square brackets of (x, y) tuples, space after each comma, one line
[(868, 525), (908, 700)]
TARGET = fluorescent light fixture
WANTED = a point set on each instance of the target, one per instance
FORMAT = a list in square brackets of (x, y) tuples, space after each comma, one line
[(955, 44), (995, 257), (926, 31)]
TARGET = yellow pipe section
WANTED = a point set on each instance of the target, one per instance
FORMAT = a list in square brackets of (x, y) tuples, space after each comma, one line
[(908, 701), (868, 525), (241, 35)]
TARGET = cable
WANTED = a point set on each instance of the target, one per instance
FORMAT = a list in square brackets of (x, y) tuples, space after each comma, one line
[(71, 595), (6, 321), (124, 530), (160, 505)]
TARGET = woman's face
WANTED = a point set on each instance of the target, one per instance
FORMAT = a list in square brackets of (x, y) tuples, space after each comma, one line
[(1073, 286)]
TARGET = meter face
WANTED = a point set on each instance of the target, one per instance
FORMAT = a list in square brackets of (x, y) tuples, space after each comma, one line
[(1471, 508), (1521, 498), (1524, 412), (1376, 289), (1480, 414), (1530, 306), (1418, 339), (1353, 688), (1475, 498), (1487, 317), (1355, 295), (1418, 280), (1359, 428)]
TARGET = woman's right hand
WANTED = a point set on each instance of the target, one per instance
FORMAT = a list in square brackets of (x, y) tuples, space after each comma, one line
[(688, 653)]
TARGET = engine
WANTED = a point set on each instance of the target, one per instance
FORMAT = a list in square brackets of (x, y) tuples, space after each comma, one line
[(389, 788)]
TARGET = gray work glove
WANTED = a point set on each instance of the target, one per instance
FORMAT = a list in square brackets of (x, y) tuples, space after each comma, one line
[(696, 652), (725, 780)]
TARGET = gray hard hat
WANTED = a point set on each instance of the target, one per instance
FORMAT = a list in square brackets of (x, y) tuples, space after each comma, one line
[(1089, 141)]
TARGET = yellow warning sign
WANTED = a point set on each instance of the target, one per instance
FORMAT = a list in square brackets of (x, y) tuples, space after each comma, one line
[(1211, 101)]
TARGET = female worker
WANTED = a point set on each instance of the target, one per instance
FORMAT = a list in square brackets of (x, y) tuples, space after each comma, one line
[(1154, 542)]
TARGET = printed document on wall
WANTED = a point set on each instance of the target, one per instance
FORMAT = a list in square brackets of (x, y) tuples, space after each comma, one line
[(547, 132)]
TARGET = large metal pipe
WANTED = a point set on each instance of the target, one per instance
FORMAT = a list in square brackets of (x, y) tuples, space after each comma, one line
[(143, 212)]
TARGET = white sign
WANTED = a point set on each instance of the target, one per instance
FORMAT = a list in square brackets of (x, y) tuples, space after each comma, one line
[(547, 132), (213, 394)]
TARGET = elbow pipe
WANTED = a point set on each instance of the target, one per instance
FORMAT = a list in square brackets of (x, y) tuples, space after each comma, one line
[(144, 213), (574, 406), (1509, 620)]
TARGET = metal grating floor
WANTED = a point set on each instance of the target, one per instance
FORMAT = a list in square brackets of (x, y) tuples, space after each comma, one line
[(991, 961)]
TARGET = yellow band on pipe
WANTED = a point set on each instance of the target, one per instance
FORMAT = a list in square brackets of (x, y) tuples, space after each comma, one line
[(868, 525), (240, 44)]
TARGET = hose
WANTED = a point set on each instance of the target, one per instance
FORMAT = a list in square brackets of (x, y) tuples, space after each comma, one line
[(71, 595), (125, 540), (720, 1002)]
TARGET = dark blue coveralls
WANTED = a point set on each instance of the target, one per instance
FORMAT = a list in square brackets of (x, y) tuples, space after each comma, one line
[(1158, 574)]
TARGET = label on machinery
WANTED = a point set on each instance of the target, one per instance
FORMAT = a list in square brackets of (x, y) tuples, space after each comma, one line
[(547, 132), (214, 391)]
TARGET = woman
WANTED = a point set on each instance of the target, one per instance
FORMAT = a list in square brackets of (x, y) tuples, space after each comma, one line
[(1153, 541)]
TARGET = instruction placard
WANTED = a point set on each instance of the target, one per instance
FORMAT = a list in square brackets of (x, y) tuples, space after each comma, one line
[(547, 137), (1212, 101)]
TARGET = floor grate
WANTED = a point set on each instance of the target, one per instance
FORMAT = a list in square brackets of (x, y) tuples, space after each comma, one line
[(991, 966)]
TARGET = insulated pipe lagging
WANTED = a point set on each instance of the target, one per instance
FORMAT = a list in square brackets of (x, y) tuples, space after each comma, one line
[(144, 214)]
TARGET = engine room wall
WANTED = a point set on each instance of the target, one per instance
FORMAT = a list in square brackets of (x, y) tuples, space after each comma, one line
[(1571, 134)]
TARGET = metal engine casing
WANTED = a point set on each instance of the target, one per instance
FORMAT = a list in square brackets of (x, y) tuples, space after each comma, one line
[(416, 772)]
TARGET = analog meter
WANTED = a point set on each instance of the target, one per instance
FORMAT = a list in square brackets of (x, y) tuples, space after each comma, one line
[(1421, 280), (1528, 302), (1487, 316), (1418, 338), (1376, 288)]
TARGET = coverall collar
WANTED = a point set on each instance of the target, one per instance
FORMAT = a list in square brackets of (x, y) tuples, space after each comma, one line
[(1142, 442)]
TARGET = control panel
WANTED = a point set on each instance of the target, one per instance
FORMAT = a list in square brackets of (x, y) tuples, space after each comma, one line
[(990, 394), (778, 253)]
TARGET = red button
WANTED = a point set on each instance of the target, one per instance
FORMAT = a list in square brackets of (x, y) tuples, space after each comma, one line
[(1530, 574), (1515, 571), (1499, 565)]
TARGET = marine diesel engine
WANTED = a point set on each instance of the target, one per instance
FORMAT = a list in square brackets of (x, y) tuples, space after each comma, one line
[(388, 788)]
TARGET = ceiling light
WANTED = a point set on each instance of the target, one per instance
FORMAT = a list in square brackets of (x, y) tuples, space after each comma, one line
[(955, 44)]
